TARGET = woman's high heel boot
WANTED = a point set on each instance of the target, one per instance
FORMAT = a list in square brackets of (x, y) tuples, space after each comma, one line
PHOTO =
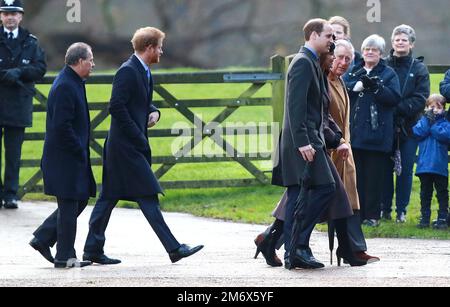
[(266, 243), (344, 250)]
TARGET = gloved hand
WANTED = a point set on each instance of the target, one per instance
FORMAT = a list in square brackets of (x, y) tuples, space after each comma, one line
[(11, 76), (431, 116), (370, 83)]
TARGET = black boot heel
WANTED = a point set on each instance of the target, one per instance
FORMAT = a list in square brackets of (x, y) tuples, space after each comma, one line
[(348, 258)]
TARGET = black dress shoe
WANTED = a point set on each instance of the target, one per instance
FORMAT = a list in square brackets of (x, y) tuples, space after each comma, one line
[(71, 263), (101, 259), (11, 204), (287, 264), (43, 249), (304, 259), (183, 251)]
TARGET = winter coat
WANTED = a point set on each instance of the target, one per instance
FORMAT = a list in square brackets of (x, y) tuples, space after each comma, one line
[(445, 86), (16, 101), (303, 124), (66, 163), (414, 89), (127, 157), (433, 144), (372, 112)]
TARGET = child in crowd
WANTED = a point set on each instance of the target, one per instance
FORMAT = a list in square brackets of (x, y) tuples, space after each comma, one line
[(433, 132)]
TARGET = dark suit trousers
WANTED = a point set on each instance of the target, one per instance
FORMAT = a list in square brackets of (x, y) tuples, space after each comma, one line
[(13, 138), (46, 233), (101, 213), (293, 193), (67, 228), (318, 202)]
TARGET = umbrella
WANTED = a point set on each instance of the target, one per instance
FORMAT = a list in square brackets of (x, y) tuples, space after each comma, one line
[(331, 230)]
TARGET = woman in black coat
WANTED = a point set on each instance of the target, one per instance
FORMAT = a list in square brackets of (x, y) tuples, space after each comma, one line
[(415, 89), (374, 92)]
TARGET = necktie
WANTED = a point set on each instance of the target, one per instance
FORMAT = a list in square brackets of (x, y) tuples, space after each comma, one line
[(10, 35)]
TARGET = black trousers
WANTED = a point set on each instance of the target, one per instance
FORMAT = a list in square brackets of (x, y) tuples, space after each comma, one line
[(101, 213), (370, 170), (47, 233), (61, 228), (293, 193), (355, 233), (426, 194), (319, 199), (13, 140)]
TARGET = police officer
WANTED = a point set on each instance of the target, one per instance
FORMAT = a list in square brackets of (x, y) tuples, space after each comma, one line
[(22, 62)]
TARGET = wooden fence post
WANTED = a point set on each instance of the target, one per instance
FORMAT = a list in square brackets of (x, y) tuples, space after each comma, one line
[(278, 66)]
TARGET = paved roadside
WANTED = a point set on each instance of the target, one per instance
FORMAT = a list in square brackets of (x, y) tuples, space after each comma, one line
[(226, 259)]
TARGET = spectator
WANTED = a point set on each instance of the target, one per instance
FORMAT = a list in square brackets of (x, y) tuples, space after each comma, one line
[(415, 88), (374, 92), (445, 86), (22, 62), (433, 131)]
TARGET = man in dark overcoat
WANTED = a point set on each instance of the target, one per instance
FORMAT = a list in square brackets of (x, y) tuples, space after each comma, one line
[(22, 63), (302, 141), (127, 157), (65, 164)]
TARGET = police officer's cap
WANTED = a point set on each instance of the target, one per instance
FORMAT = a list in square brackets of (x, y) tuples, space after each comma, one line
[(11, 6)]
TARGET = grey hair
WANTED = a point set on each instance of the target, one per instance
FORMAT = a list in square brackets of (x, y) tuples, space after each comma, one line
[(76, 52), (374, 40), (346, 44), (404, 29)]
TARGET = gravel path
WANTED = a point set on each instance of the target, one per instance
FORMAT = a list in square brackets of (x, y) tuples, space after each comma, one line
[(226, 259)]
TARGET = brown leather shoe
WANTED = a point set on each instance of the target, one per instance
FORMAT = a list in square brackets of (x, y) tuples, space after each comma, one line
[(365, 257)]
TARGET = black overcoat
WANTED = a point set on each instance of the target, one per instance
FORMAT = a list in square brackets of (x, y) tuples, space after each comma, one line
[(127, 157), (65, 163), (303, 124)]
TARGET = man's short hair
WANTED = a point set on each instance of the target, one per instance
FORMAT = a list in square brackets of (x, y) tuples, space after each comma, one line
[(76, 52), (339, 20), (145, 37), (314, 25)]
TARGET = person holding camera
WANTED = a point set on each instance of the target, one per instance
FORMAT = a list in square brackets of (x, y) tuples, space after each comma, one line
[(374, 92), (415, 88), (433, 132), (22, 63)]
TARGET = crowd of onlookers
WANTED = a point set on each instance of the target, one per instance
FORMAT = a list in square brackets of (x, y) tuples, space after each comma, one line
[(392, 116)]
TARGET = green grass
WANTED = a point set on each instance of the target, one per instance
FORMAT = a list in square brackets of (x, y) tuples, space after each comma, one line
[(247, 204)]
